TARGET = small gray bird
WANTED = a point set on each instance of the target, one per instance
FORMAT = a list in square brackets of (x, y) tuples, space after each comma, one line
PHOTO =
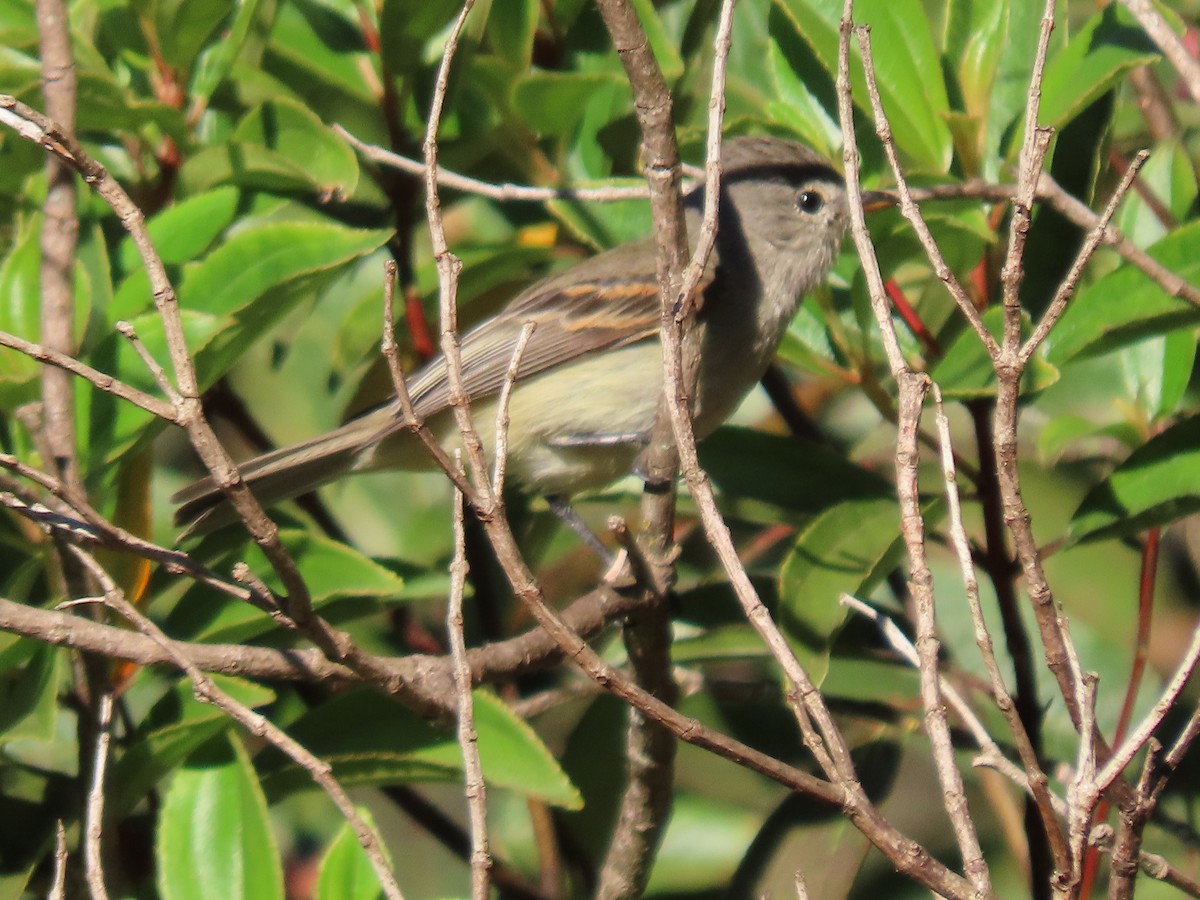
[(586, 395)]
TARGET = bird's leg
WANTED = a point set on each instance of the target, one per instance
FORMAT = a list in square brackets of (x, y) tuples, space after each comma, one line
[(562, 508)]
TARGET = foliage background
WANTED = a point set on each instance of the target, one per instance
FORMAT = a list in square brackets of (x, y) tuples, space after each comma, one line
[(217, 118)]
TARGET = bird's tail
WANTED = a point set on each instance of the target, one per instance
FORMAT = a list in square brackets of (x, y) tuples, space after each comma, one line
[(279, 475)]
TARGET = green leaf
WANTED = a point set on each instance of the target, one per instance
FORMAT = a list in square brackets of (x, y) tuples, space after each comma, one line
[(848, 548), (724, 642), (797, 106), (175, 727), (248, 165), (966, 371), (1171, 181), (346, 870), (331, 570), (216, 61), (511, 29), (553, 103), (1126, 305), (292, 132), (214, 838), (705, 840), (1062, 432), (1157, 484), (786, 472), (369, 739), (604, 225), (663, 44), (20, 300), (29, 694), (1094, 60), (405, 28), (181, 233), (183, 27), (909, 73), (1157, 371), (262, 257)]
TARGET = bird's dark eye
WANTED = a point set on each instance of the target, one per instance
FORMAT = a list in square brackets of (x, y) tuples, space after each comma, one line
[(809, 201)]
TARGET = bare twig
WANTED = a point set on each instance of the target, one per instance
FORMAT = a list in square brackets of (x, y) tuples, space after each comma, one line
[(913, 388), (502, 192), (58, 881), (94, 830), (391, 355), (1093, 240), (59, 238), (502, 402), (1169, 43), (468, 740), (1035, 777), (97, 378), (206, 691), (649, 749), (909, 208)]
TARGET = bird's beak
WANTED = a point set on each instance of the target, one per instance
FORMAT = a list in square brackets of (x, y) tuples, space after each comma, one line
[(874, 201)]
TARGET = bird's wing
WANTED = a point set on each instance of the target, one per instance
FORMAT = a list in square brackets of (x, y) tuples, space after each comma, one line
[(608, 301)]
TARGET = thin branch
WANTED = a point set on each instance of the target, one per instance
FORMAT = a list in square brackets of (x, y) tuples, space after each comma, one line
[(502, 403), (206, 691), (913, 388), (1067, 288), (59, 239), (58, 881), (98, 379), (475, 789), (909, 208), (94, 828), (648, 793), (1169, 43), (1035, 776), (1124, 754), (501, 192)]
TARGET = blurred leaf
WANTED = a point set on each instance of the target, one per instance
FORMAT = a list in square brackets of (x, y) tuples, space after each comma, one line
[(248, 165), (182, 232), (289, 130), (1169, 177), (788, 472), (405, 28), (346, 870), (259, 258), (20, 301), (29, 694), (552, 103), (704, 842), (1157, 371), (329, 568), (1095, 58), (369, 739), (1157, 484), (604, 225), (511, 28), (966, 371), (726, 642), (1126, 305), (1063, 431), (175, 726), (845, 549), (797, 105), (183, 27), (663, 44), (907, 69), (215, 63), (1010, 84), (214, 838)]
